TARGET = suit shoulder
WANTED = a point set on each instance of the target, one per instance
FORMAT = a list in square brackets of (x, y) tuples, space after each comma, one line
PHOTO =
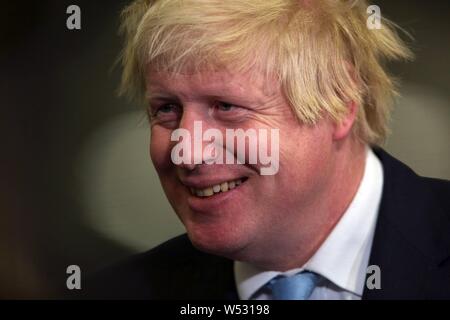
[(400, 176), (175, 250), (440, 190), (171, 253), (140, 276), (440, 186)]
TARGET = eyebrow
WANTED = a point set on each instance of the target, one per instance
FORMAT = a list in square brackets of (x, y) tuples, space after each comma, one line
[(224, 97), (224, 93), (160, 96), (210, 90)]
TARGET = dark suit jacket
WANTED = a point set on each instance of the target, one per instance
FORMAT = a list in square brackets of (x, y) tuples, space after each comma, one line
[(411, 246)]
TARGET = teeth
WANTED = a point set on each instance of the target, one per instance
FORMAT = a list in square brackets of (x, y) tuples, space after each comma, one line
[(223, 187), (208, 192)]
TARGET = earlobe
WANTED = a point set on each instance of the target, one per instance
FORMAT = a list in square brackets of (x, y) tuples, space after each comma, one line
[(344, 127)]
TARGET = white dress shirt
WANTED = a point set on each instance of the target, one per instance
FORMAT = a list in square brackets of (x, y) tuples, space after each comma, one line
[(343, 258)]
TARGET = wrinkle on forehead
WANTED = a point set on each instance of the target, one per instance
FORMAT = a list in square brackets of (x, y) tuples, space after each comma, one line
[(224, 81)]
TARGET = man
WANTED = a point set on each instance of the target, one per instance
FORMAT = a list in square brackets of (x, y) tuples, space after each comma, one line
[(329, 208)]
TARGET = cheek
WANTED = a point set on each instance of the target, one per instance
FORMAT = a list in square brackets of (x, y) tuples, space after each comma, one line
[(160, 151), (160, 148), (305, 156)]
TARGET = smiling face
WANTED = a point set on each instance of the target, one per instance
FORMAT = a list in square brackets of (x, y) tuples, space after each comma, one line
[(261, 212)]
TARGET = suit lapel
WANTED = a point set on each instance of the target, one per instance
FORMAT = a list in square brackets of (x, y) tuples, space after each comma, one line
[(409, 241)]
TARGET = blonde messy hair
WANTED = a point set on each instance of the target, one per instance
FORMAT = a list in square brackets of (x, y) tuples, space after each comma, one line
[(322, 51)]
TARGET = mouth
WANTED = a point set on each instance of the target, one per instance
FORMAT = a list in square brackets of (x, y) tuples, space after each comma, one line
[(216, 189)]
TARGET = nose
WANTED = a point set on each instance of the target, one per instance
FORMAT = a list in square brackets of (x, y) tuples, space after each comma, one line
[(194, 123)]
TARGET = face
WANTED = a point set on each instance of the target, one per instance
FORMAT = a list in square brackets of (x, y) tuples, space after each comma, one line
[(263, 209)]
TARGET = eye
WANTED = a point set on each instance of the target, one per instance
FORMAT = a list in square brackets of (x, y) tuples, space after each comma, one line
[(166, 108), (228, 111), (164, 111), (224, 106), (164, 114)]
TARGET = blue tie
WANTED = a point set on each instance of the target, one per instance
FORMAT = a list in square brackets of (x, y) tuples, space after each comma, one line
[(296, 287)]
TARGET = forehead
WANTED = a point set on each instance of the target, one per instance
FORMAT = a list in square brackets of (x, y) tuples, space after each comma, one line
[(215, 83)]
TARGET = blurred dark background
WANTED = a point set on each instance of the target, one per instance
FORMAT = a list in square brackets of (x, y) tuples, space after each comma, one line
[(74, 187)]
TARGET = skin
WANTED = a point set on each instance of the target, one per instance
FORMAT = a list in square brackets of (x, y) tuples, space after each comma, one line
[(273, 222)]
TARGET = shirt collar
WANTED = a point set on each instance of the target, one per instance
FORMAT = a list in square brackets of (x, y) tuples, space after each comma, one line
[(343, 257)]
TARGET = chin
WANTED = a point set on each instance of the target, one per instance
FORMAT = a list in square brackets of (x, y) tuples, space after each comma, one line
[(226, 241)]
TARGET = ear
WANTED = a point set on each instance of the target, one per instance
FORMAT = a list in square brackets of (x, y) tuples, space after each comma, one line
[(343, 128)]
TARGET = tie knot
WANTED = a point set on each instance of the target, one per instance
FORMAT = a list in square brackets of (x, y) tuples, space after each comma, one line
[(296, 287)]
